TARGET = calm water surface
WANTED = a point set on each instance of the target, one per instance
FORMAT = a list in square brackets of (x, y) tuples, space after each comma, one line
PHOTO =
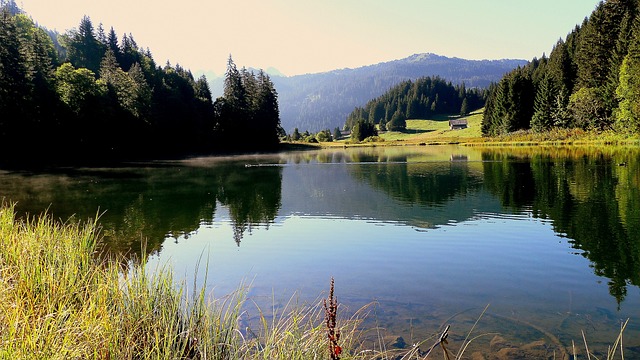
[(548, 238)]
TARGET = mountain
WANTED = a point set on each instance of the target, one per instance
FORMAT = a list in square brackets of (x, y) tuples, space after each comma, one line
[(321, 101)]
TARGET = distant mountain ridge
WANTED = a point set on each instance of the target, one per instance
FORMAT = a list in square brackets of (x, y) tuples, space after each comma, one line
[(321, 101)]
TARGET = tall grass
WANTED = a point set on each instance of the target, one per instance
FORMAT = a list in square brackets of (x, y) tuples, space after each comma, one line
[(59, 299)]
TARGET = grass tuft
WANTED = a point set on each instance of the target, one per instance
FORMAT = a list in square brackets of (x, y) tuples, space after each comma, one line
[(60, 299)]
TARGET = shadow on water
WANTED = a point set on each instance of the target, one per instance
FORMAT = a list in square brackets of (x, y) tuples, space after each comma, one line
[(591, 196), (149, 202)]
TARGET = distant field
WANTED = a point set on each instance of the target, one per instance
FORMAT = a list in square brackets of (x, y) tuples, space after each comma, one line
[(437, 130)]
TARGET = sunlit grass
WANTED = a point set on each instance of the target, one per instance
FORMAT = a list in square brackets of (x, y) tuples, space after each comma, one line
[(59, 299), (436, 130)]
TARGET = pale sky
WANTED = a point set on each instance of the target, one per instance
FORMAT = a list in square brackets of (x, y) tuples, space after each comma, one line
[(299, 36)]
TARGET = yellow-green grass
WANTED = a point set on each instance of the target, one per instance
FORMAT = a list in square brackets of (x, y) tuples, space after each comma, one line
[(60, 299), (429, 131), (436, 130)]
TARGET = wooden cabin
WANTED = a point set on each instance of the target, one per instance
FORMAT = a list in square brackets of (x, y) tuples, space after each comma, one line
[(457, 124)]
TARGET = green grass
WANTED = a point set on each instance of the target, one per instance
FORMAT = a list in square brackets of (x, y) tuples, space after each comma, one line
[(437, 130), (60, 299)]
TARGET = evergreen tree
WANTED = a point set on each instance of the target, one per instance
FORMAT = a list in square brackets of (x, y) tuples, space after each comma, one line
[(488, 127), (14, 85), (544, 105), (83, 49), (464, 108), (248, 109), (142, 93), (560, 114), (112, 44), (337, 134), (362, 130), (119, 83), (203, 92), (398, 122), (628, 91), (296, 135)]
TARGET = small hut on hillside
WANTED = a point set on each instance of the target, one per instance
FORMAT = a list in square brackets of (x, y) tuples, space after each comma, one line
[(457, 124)]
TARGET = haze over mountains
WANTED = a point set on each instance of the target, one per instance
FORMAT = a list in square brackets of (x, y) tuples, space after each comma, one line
[(321, 101)]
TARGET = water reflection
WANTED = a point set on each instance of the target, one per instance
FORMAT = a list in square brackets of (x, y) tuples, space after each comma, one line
[(140, 206), (591, 195)]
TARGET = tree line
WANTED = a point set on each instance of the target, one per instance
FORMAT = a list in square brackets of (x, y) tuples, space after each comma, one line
[(417, 99), (590, 80), (89, 95)]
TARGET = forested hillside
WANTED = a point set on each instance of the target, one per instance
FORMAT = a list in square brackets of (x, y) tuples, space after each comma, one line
[(590, 80), (89, 95), (321, 101), (418, 99)]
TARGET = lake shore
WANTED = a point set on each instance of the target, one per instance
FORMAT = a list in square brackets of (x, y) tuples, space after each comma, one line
[(436, 132)]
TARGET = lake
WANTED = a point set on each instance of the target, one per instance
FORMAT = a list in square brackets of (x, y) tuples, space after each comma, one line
[(547, 238)]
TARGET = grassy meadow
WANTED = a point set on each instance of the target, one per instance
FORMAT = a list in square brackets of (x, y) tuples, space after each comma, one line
[(436, 131)]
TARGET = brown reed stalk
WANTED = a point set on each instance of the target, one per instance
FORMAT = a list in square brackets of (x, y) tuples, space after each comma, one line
[(330, 314)]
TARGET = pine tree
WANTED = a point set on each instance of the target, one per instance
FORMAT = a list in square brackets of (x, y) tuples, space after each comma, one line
[(337, 134), (112, 44), (544, 104), (14, 84), (142, 93), (234, 91), (464, 108), (628, 91), (83, 49), (397, 122)]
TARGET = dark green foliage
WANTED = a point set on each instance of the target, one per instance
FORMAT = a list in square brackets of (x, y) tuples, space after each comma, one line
[(14, 83), (296, 135), (416, 100), (397, 122), (248, 111), (362, 130), (337, 134), (544, 104), (83, 48), (578, 85), (324, 136), (108, 101)]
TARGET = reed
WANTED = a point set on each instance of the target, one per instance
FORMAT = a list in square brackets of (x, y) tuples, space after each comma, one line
[(60, 299)]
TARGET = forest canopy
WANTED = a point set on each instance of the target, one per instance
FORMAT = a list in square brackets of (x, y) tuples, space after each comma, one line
[(89, 95), (417, 99), (590, 80)]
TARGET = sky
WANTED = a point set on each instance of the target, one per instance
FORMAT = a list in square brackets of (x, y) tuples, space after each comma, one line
[(300, 36)]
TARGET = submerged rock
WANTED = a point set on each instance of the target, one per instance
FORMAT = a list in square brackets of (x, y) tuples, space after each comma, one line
[(400, 343)]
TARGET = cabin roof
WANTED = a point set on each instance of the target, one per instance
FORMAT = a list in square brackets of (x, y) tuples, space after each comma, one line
[(457, 122)]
